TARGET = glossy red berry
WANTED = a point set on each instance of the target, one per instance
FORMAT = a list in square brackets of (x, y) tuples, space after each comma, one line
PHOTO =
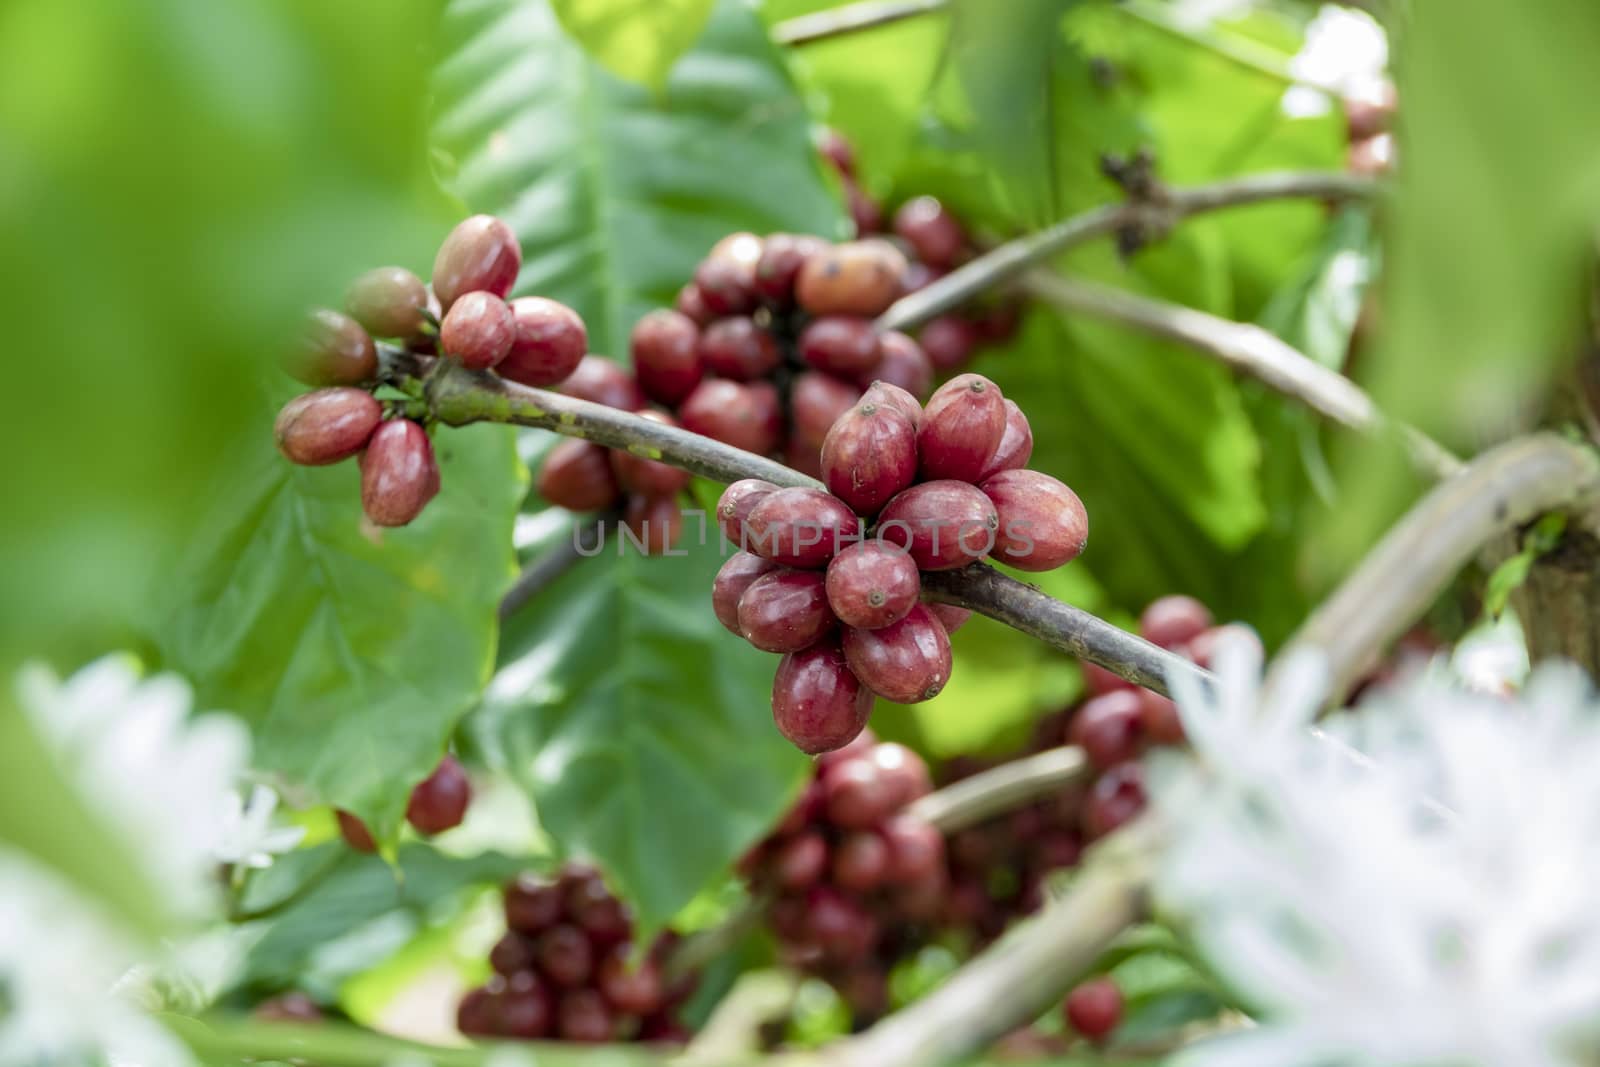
[(902, 362), (327, 425), (1094, 1008), (736, 576), (858, 278), (564, 956), (907, 661), (726, 277), (650, 477), (1042, 522), (785, 611), (954, 618), (600, 381), (1109, 728), (577, 475), (861, 863), (885, 393), (333, 350), (630, 989), (800, 861), (355, 832), (739, 349), (857, 794), (478, 330), (916, 850), (865, 211), (439, 802), (1114, 799), (1172, 621), (690, 303), (525, 1009), (398, 473), (903, 770), (1160, 719), (735, 504), (816, 702), (948, 341), (934, 234), (1016, 444), (816, 402), (802, 528), (746, 415), (389, 302), (665, 353), (868, 456), (478, 1014), (782, 256), (548, 343), (593, 907), (943, 524), (512, 954), (533, 904), (962, 426), (582, 1017), (480, 253), (872, 584), (842, 345)]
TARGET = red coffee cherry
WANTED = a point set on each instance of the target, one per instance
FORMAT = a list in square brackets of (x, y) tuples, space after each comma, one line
[(744, 415), (1172, 621), (869, 455), (1094, 1008), (800, 861), (903, 770), (576, 475), (839, 924), (935, 236), (1042, 522), (865, 211), (739, 349), (816, 702), (726, 277), (477, 330), (326, 426), (861, 862), (842, 345), (943, 524), (389, 302), (858, 278), (512, 954), (582, 1017), (631, 990), (785, 611), (478, 1014), (333, 350), (398, 473), (962, 427), (548, 345), (948, 341), (533, 904), (654, 522), (828, 762), (525, 1011), (590, 905), (782, 256), (858, 794), (737, 575), (887, 394), (600, 381), (691, 304), (480, 253), (952, 617), (734, 506), (355, 832), (1159, 717), (1114, 799), (902, 362), (665, 357), (816, 402), (802, 528), (1109, 728), (916, 850), (564, 956), (439, 802), (649, 477), (872, 584), (906, 662), (1016, 444)]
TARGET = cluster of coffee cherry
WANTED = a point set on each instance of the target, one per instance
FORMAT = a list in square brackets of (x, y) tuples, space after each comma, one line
[(566, 969), (463, 315), (935, 242), (850, 878), (437, 803), (938, 488)]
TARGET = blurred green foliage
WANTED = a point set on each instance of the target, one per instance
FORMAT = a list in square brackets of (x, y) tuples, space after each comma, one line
[(634, 39)]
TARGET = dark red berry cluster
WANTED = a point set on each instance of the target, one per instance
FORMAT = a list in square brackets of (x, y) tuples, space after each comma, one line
[(832, 579), (437, 803), (935, 242), (852, 879), (566, 969), (462, 315)]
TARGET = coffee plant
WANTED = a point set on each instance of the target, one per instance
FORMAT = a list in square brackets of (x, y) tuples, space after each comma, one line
[(397, 379)]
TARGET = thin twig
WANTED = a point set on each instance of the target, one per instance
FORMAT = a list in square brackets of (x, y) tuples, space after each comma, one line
[(1060, 625), (1240, 51), (1021, 976), (1246, 348), (804, 29), (1407, 570), (1000, 789), (588, 535), (1158, 214)]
